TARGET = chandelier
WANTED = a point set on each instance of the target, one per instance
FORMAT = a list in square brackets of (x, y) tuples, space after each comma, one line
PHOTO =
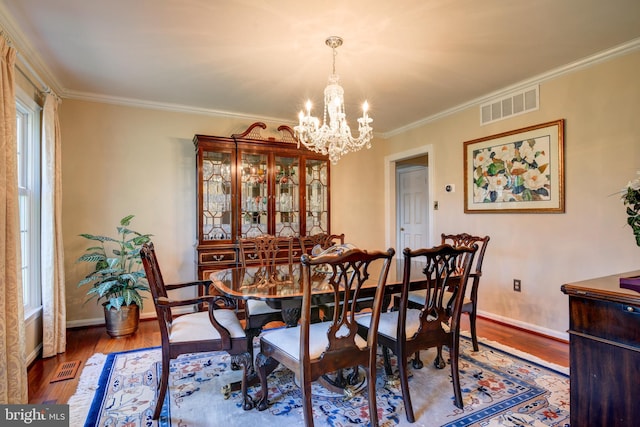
[(333, 137)]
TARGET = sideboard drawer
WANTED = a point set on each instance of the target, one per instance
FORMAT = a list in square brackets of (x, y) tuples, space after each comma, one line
[(606, 320)]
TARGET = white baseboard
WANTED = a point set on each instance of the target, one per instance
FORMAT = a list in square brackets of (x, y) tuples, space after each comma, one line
[(527, 326), (34, 354), (96, 321)]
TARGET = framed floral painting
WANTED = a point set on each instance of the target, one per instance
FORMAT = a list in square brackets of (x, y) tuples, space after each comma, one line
[(520, 171)]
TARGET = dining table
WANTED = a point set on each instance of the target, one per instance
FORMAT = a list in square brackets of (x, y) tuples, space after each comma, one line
[(281, 287)]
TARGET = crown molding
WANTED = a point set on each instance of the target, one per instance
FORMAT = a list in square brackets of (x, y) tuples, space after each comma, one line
[(177, 108), (28, 60), (32, 63), (606, 55)]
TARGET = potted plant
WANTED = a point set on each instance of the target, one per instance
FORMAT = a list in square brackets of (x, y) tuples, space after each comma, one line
[(118, 277)]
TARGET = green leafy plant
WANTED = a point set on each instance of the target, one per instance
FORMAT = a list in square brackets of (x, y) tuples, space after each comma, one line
[(631, 199), (118, 276)]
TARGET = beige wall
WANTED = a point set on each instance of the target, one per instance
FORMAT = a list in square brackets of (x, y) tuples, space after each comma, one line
[(601, 106), (122, 160)]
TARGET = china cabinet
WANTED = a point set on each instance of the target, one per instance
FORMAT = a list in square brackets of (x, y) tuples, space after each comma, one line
[(249, 185)]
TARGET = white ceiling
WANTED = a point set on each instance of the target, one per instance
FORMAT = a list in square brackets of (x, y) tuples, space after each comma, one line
[(411, 59)]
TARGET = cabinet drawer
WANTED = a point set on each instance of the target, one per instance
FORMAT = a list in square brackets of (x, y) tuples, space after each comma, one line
[(217, 257), (607, 320)]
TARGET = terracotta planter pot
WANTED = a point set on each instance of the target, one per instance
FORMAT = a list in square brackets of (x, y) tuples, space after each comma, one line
[(123, 322)]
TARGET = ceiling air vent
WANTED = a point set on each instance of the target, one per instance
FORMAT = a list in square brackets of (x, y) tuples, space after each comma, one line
[(515, 103)]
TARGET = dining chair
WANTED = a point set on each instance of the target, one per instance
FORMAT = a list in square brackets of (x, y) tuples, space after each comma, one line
[(216, 329), (321, 240), (313, 350), (470, 302), (265, 252), (314, 245), (436, 324)]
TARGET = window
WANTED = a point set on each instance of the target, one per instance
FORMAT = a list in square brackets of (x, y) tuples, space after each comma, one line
[(28, 131)]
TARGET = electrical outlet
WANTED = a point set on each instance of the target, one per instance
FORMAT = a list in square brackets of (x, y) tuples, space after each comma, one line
[(517, 285)]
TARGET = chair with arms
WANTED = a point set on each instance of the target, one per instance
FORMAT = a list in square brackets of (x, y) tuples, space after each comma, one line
[(437, 323), (470, 302), (217, 329), (265, 252), (312, 350)]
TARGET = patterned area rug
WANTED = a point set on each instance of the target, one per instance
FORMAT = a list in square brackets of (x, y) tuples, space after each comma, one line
[(498, 388)]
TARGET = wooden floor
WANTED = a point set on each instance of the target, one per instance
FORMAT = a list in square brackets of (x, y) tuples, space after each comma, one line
[(83, 343)]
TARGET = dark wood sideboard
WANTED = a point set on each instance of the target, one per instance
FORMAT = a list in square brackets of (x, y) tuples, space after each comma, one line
[(604, 330)]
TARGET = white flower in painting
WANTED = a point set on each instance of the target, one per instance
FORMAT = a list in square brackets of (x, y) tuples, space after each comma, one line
[(497, 183), (535, 150), (505, 152), (505, 195), (479, 194), (482, 158), (527, 152), (534, 180)]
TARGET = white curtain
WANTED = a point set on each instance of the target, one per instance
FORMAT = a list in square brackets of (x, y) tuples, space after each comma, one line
[(52, 258), (13, 369)]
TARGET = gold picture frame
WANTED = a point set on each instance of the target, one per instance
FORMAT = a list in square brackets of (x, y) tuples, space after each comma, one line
[(521, 171)]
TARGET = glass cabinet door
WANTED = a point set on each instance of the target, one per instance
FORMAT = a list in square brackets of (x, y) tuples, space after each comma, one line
[(287, 196), (317, 206), (254, 190), (216, 196)]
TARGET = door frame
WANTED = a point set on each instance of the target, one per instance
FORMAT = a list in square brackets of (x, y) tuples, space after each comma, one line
[(390, 196)]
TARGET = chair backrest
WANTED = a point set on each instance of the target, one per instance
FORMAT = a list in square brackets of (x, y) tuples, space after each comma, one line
[(465, 239), (445, 270), (163, 305), (157, 287), (265, 250), (323, 240), (348, 271)]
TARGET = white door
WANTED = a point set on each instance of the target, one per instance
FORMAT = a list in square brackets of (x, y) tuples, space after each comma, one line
[(412, 207)]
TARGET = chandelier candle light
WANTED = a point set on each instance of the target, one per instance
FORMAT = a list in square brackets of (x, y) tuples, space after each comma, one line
[(333, 137)]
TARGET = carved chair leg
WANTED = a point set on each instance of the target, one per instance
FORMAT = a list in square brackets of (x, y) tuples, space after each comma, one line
[(417, 362), (455, 375), (245, 360), (262, 363), (371, 394), (474, 335), (387, 361), (251, 334), (403, 375), (439, 362), (164, 383)]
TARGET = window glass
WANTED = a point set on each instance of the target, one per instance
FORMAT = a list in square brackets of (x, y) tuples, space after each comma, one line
[(28, 140)]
